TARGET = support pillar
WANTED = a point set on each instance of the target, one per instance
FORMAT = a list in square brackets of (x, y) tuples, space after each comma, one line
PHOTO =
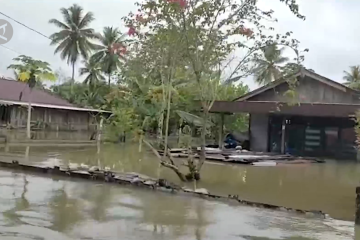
[(221, 132), (357, 213), (100, 130), (283, 131)]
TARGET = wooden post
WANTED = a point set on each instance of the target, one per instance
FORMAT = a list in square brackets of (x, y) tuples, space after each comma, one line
[(357, 213), (283, 131), (100, 129), (221, 132)]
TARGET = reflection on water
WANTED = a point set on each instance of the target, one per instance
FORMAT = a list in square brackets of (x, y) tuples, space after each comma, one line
[(38, 207), (328, 187)]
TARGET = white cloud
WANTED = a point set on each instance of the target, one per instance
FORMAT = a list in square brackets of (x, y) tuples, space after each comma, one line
[(330, 31)]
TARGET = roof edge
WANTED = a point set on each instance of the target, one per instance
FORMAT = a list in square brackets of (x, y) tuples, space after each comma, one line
[(53, 106), (302, 72)]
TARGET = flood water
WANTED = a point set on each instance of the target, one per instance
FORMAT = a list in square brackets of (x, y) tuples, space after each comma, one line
[(38, 207)]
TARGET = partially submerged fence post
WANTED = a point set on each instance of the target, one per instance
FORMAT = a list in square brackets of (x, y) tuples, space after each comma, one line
[(357, 214)]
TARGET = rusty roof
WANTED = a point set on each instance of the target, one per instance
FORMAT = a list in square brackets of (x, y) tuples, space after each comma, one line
[(300, 109), (11, 90)]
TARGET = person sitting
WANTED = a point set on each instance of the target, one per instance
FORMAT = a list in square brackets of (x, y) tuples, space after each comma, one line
[(230, 141)]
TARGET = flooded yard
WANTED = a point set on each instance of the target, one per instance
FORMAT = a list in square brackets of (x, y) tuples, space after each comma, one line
[(38, 207)]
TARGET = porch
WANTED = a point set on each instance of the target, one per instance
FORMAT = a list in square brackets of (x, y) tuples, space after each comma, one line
[(304, 129)]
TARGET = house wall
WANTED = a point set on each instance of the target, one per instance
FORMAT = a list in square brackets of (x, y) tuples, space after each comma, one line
[(56, 119), (308, 90), (259, 124)]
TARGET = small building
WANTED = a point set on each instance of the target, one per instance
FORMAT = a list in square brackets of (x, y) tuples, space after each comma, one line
[(48, 110), (316, 120)]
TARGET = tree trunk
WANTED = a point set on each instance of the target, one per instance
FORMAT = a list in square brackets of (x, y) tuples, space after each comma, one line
[(203, 139), (72, 80), (28, 122), (109, 79), (167, 119), (73, 72)]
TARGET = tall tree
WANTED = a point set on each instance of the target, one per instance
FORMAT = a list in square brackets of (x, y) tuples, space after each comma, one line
[(268, 68), (111, 51), (74, 36), (352, 78), (93, 71), (31, 71), (200, 36)]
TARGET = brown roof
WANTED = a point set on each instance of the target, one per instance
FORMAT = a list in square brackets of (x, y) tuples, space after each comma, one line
[(303, 72), (11, 90), (303, 109)]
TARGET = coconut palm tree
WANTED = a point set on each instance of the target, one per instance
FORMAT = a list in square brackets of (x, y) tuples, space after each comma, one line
[(31, 71), (352, 78), (268, 68), (74, 36), (111, 51), (93, 71)]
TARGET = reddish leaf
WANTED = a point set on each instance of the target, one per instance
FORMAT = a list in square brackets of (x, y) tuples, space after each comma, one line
[(246, 31), (182, 3), (131, 31)]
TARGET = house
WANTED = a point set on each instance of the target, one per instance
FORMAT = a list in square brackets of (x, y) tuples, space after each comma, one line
[(318, 120), (48, 110)]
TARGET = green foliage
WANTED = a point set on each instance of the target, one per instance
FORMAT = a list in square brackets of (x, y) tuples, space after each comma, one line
[(268, 67), (31, 71), (82, 94), (192, 119), (111, 51), (357, 128), (122, 120), (92, 69), (352, 78), (74, 36), (236, 122)]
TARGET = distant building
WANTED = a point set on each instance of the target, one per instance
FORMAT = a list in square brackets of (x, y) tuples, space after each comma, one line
[(48, 110), (318, 120)]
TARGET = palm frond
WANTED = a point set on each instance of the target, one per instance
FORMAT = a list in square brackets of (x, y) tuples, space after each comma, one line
[(193, 119), (62, 45), (59, 24), (66, 16), (281, 60), (86, 20), (76, 14)]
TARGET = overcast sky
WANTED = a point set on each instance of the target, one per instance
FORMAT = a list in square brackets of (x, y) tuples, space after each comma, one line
[(331, 30)]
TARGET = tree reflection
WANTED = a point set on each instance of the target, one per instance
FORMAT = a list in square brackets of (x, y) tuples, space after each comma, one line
[(21, 204), (174, 214), (65, 210), (100, 196)]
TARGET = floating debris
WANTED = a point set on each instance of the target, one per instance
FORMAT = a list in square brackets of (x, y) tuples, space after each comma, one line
[(244, 157)]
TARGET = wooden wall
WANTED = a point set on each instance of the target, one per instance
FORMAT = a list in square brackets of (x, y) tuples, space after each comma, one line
[(308, 91), (55, 119)]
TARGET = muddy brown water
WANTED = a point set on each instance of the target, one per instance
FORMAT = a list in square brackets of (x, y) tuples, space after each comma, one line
[(39, 207)]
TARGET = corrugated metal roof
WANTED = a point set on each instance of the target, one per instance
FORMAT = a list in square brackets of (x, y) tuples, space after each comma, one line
[(17, 93)]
